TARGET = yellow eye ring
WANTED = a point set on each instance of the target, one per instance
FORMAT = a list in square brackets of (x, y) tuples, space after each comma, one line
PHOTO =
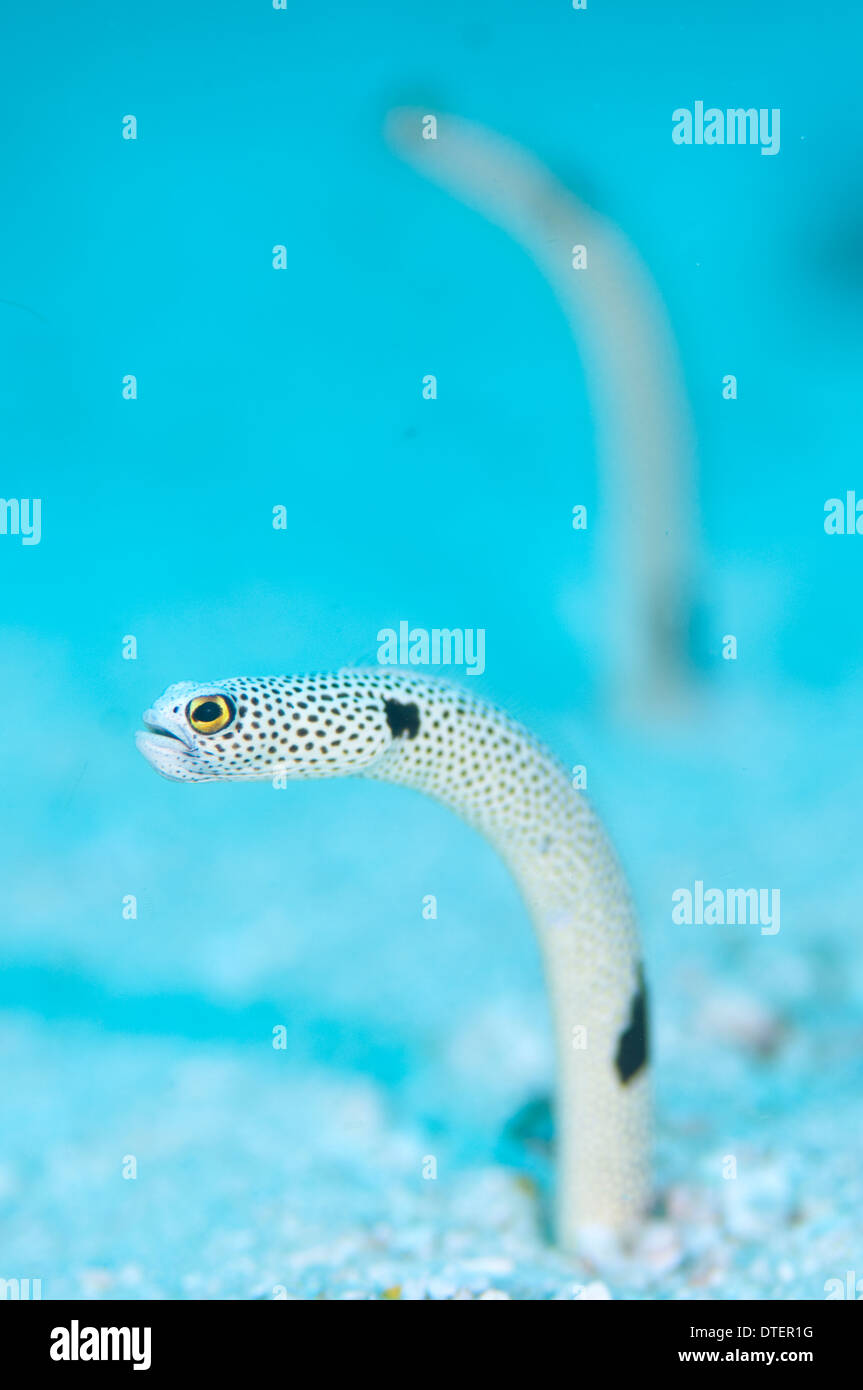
[(210, 714)]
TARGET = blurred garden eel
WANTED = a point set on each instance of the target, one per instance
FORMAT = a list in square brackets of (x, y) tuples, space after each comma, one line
[(642, 420), (424, 733)]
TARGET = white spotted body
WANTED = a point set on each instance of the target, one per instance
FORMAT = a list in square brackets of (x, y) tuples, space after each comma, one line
[(426, 734)]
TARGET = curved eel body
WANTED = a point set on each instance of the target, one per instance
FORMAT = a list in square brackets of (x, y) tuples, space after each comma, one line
[(642, 419), (423, 733)]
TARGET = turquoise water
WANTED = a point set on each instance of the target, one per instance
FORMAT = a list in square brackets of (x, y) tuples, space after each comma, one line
[(151, 1037)]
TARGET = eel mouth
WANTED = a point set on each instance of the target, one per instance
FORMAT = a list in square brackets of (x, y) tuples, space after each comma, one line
[(160, 731), (161, 746)]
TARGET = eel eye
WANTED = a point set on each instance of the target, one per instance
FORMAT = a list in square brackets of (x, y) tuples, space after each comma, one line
[(209, 714)]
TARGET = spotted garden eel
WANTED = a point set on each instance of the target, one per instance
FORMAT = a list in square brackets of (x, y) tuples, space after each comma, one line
[(424, 733), (640, 411)]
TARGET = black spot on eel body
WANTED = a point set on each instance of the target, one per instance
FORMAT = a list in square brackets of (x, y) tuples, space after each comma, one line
[(632, 1047), (402, 718)]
